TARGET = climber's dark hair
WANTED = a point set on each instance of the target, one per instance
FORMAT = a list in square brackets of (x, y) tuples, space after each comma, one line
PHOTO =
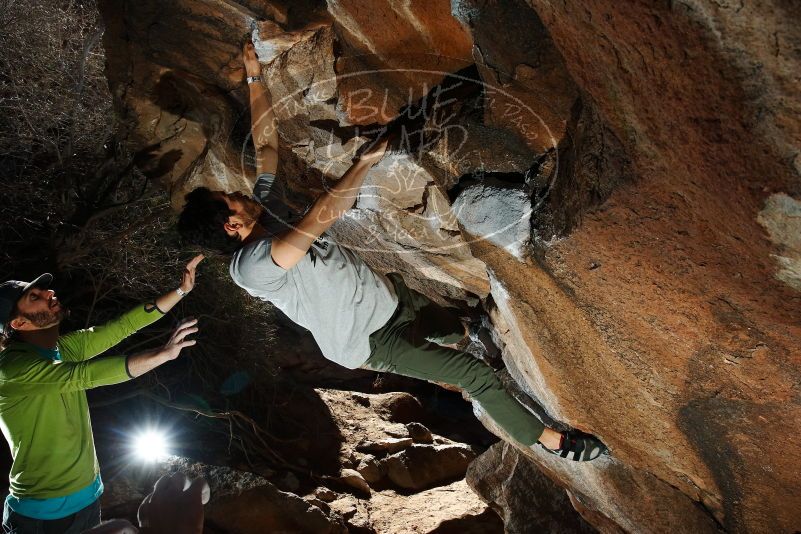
[(202, 222)]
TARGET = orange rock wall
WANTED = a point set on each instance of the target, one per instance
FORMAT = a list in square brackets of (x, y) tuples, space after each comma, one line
[(652, 310)]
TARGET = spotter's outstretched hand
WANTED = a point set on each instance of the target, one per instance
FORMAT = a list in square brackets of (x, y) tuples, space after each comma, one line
[(188, 277), (178, 339)]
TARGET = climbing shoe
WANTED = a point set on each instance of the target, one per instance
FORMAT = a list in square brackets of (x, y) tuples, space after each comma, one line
[(578, 446), (482, 337)]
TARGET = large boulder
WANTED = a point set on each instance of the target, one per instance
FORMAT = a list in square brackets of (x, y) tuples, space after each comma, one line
[(450, 508), (423, 466), (527, 500), (660, 324), (656, 304), (240, 502)]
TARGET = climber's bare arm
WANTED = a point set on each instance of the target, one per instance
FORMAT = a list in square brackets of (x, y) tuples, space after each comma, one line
[(289, 248), (263, 124)]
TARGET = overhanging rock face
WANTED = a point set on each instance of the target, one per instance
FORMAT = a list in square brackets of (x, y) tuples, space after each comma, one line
[(655, 302)]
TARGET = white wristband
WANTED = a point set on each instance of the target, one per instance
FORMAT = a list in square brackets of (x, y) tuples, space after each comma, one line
[(181, 292)]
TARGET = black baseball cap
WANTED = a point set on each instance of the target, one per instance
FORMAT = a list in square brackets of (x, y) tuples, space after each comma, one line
[(12, 290)]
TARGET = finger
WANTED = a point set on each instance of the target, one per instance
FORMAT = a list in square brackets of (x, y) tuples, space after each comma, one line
[(181, 327), (199, 490), (161, 486), (143, 514), (184, 344), (176, 337), (186, 323), (194, 261), (175, 484), (183, 332)]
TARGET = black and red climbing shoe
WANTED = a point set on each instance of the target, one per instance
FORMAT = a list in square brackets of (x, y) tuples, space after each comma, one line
[(481, 336), (578, 446)]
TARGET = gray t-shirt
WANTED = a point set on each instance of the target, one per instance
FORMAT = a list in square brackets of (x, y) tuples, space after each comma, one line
[(331, 291)]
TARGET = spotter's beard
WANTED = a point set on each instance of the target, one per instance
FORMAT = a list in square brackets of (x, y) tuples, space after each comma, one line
[(46, 319)]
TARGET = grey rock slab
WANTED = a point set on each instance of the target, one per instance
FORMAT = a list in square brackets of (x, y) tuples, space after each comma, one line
[(498, 212)]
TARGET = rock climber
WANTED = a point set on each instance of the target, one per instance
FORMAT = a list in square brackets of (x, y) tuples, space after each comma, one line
[(55, 482), (359, 318)]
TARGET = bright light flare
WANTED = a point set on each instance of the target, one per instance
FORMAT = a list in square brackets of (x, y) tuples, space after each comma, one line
[(151, 446)]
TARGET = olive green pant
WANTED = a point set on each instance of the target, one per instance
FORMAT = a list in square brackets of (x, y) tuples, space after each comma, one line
[(408, 345)]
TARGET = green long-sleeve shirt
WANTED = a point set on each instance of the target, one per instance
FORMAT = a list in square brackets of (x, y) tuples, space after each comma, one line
[(44, 414)]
